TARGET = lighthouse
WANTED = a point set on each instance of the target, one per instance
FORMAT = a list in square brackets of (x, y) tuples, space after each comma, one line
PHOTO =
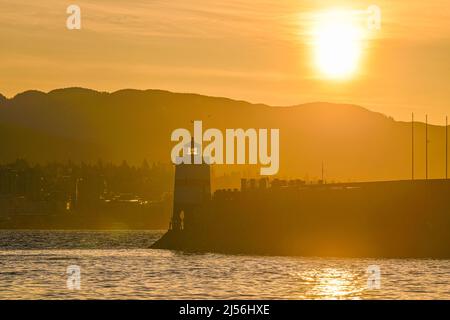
[(192, 188)]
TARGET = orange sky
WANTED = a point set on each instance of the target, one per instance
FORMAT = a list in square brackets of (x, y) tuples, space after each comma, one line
[(255, 50)]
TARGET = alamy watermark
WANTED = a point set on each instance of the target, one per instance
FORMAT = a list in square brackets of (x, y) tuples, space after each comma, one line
[(229, 150), (73, 21), (73, 277), (374, 19), (373, 277)]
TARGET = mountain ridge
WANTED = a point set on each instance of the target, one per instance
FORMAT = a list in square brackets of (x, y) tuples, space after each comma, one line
[(355, 143), (119, 92), (85, 91)]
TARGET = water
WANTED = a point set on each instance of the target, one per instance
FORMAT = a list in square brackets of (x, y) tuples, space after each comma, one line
[(120, 265)]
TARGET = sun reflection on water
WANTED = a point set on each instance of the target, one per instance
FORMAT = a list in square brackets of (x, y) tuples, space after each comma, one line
[(333, 283), (115, 265)]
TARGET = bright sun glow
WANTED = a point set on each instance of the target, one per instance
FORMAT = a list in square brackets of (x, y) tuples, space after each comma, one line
[(337, 43)]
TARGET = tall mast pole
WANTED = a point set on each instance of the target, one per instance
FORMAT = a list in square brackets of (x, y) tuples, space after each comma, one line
[(412, 146), (426, 147), (323, 181)]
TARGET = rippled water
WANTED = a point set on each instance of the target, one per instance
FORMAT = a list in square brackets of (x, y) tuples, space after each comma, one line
[(120, 265)]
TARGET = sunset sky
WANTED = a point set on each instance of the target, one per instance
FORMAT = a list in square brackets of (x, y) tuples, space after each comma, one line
[(254, 50)]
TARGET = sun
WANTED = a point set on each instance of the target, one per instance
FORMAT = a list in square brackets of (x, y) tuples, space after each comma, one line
[(337, 44)]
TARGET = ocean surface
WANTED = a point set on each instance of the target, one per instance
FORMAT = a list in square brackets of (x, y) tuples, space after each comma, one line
[(120, 265)]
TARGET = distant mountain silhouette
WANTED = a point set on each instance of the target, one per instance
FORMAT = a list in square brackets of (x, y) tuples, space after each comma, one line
[(86, 125)]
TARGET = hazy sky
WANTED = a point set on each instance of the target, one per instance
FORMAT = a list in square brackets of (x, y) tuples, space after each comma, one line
[(255, 50)]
